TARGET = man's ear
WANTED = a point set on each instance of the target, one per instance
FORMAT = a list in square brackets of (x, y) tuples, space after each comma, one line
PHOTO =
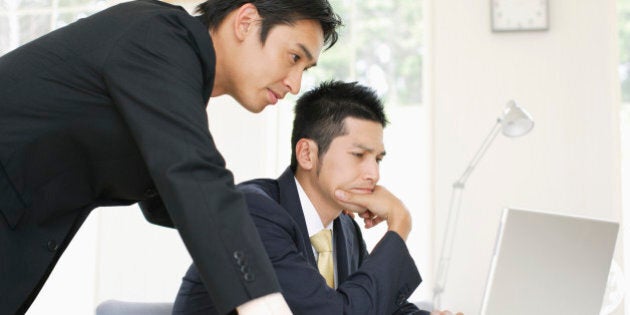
[(306, 153), (245, 20)]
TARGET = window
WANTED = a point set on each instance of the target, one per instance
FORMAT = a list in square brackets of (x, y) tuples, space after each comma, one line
[(380, 46), (623, 20), (25, 20)]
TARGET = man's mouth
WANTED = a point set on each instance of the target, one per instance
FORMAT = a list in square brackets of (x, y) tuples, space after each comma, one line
[(362, 190), (273, 97)]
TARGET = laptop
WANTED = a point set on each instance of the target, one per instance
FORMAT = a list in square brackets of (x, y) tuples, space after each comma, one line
[(547, 263)]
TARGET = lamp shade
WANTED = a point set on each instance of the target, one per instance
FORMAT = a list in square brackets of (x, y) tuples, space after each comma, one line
[(515, 120)]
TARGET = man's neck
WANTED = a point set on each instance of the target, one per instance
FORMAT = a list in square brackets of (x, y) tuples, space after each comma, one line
[(219, 87), (328, 211)]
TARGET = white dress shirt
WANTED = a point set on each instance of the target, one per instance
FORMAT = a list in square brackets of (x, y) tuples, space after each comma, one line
[(314, 224)]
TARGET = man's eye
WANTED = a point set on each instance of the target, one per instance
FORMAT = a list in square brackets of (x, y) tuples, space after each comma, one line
[(359, 155), (295, 58)]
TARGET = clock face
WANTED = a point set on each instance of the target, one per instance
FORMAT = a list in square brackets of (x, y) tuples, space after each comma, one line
[(519, 15)]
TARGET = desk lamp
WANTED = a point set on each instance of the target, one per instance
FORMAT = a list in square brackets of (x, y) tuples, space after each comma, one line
[(513, 122)]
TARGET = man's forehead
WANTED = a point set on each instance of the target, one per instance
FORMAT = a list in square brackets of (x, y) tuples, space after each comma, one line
[(307, 34), (364, 139), (364, 131)]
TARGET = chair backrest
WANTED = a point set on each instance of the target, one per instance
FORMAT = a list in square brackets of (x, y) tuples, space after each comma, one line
[(115, 307)]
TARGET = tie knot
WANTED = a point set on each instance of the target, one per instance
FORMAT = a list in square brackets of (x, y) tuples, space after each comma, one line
[(322, 241)]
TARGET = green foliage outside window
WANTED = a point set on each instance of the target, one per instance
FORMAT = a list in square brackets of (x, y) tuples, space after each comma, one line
[(380, 46)]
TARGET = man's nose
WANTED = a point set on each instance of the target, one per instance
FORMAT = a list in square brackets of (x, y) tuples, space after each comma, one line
[(372, 171), (293, 81)]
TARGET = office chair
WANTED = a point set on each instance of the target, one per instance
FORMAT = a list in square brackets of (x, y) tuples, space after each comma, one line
[(115, 307)]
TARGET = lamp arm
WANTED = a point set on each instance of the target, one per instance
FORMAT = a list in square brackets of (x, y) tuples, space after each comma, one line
[(453, 215), (480, 152)]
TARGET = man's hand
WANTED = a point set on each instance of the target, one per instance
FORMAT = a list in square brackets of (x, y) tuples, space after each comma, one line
[(383, 206), (369, 218), (272, 304)]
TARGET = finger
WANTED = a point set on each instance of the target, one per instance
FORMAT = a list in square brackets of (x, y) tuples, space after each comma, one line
[(343, 195), (377, 220), (367, 219), (367, 214), (373, 221), (349, 213), (368, 223)]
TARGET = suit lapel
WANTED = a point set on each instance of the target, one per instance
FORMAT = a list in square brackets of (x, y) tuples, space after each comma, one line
[(343, 227), (343, 248), (290, 200)]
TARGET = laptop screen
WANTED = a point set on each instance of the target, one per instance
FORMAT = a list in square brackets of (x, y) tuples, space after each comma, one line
[(547, 263)]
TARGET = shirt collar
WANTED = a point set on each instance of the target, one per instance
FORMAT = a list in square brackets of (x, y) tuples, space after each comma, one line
[(313, 221)]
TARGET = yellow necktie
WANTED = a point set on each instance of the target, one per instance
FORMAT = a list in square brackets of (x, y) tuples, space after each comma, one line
[(322, 242)]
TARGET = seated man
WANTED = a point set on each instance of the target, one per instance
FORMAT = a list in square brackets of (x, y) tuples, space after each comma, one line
[(337, 146)]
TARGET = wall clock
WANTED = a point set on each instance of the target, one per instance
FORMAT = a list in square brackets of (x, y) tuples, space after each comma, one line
[(519, 15)]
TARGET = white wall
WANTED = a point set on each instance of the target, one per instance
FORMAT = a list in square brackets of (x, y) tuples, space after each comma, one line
[(569, 163)]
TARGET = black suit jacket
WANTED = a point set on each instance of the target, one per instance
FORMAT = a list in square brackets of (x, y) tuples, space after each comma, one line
[(378, 283), (110, 110)]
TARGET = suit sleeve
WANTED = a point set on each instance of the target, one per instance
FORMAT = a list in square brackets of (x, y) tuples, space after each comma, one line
[(404, 308), (155, 78), (155, 212), (380, 286), (410, 309)]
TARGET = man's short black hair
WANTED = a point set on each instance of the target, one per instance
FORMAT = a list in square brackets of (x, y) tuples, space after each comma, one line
[(274, 12), (320, 113)]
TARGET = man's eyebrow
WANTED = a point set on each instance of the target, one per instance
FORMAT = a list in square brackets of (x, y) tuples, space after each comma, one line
[(308, 55), (362, 147)]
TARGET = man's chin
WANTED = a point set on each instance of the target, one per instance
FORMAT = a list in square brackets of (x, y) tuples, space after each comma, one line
[(353, 208), (255, 109)]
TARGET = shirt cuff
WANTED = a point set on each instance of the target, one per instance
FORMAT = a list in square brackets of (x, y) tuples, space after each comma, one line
[(271, 304)]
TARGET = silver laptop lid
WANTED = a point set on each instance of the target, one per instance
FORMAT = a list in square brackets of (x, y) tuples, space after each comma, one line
[(547, 263)]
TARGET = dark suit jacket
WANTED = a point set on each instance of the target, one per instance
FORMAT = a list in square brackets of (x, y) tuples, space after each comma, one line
[(110, 110), (378, 283)]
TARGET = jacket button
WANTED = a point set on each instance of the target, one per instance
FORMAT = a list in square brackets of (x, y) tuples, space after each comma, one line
[(52, 246), (245, 269), (238, 255), (249, 277), (241, 261)]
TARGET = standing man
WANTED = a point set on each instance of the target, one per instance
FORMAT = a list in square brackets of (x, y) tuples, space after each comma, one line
[(110, 110), (337, 144)]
